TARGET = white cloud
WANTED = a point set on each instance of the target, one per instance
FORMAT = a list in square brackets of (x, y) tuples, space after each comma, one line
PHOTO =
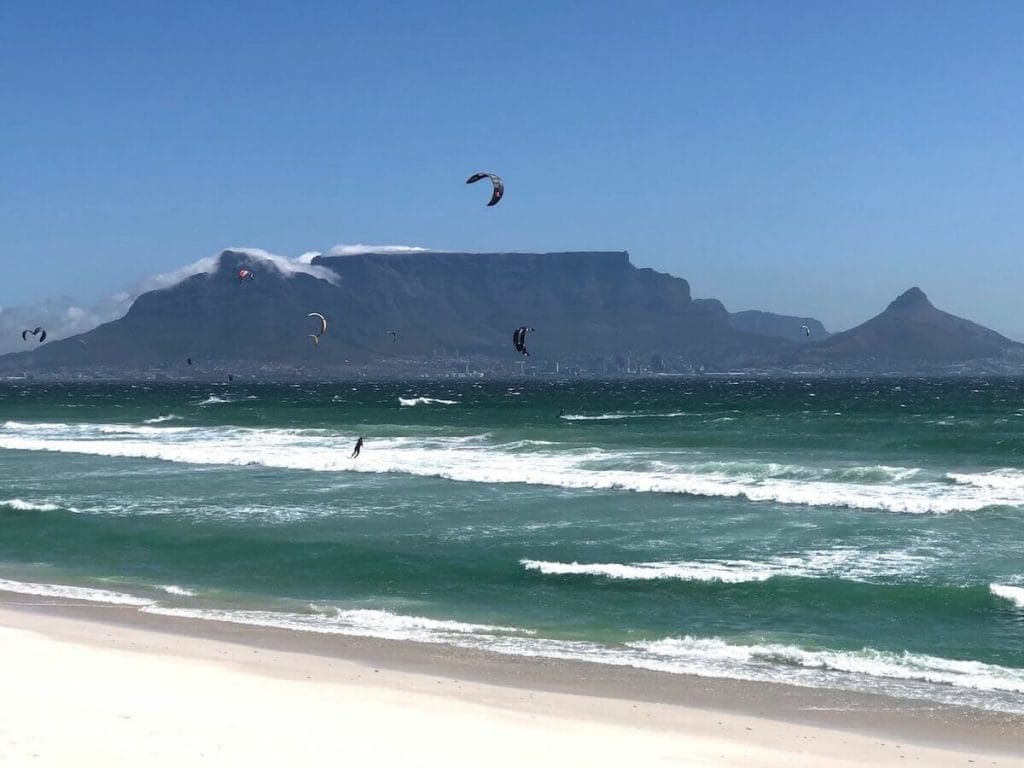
[(283, 264), (358, 248), (63, 316), (167, 279), (287, 266)]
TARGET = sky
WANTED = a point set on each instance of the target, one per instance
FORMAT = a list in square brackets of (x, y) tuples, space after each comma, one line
[(808, 158)]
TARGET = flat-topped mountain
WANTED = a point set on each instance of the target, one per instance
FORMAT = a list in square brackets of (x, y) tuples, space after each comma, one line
[(583, 305), (594, 310), (912, 329)]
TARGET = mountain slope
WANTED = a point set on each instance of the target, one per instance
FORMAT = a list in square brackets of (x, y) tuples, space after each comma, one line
[(911, 328), (583, 305)]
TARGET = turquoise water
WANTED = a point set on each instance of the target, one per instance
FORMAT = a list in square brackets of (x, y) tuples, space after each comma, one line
[(856, 534)]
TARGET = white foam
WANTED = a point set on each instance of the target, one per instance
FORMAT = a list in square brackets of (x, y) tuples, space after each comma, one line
[(172, 589), (159, 419), (69, 592), (620, 416), (480, 459), (1013, 594), (955, 682), (425, 401), (358, 622), (1002, 480), (213, 400), (867, 662), (845, 563), (28, 506)]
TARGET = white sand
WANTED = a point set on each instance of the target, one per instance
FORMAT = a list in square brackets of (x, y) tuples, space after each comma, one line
[(86, 693)]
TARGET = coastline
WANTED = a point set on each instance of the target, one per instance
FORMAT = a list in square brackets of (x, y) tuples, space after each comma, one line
[(177, 688)]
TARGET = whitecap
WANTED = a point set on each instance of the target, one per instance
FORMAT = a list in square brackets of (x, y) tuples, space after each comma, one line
[(409, 401), (68, 592), (29, 506), (1013, 594)]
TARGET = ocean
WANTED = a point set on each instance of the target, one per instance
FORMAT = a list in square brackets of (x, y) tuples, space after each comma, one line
[(853, 534)]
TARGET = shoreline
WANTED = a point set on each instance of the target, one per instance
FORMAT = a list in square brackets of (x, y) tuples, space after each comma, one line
[(782, 724)]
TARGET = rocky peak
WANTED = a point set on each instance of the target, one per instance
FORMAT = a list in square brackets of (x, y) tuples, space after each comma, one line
[(914, 298)]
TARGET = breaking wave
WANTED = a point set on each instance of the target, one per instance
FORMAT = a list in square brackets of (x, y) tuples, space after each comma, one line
[(69, 592), (425, 401), (1013, 594), (483, 459), (845, 563), (20, 505), (160, 419), (213, 400)]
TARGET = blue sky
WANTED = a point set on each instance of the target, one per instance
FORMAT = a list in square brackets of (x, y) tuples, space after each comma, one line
[(809, 158)]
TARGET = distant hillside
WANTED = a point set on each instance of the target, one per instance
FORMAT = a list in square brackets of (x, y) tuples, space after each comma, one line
[(779, 326), (912, 329), (585, 306)]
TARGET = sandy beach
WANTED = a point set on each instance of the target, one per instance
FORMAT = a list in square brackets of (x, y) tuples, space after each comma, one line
[(86, 684)]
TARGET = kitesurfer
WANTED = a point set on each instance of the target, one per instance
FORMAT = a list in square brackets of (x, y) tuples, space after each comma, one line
[(519, 339), (357, 449)]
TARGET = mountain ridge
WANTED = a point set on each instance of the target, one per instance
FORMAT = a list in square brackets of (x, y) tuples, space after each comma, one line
[(593, 310)]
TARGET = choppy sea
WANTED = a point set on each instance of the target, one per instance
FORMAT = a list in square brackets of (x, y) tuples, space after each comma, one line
[(858, 534)]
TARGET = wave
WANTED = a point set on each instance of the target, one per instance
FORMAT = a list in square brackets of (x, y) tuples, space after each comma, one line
[(996, 480), (173, 589), (213, 400), (28, 506), (1013, 594), (846, 563), (909, 675), (68, 592), (867, 662), (904, 674), (408, 401), (159, 419), (619, 416), (481, 459), (358, 622)]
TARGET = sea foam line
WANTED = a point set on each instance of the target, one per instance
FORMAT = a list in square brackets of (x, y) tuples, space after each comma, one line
[(29, 506), (356, 622), (921, 676), (69, 592), (850, 564), (160, 419), (477, 459), (620, 416), (906, 674)]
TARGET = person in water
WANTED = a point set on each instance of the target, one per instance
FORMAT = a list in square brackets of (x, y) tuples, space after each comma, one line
[(357, 449)]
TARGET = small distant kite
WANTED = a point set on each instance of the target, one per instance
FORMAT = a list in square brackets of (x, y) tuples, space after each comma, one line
[(499, 186), (315, 338), (37, 332), (245, 274), (806, 330), (323, 322), (519, 339)]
